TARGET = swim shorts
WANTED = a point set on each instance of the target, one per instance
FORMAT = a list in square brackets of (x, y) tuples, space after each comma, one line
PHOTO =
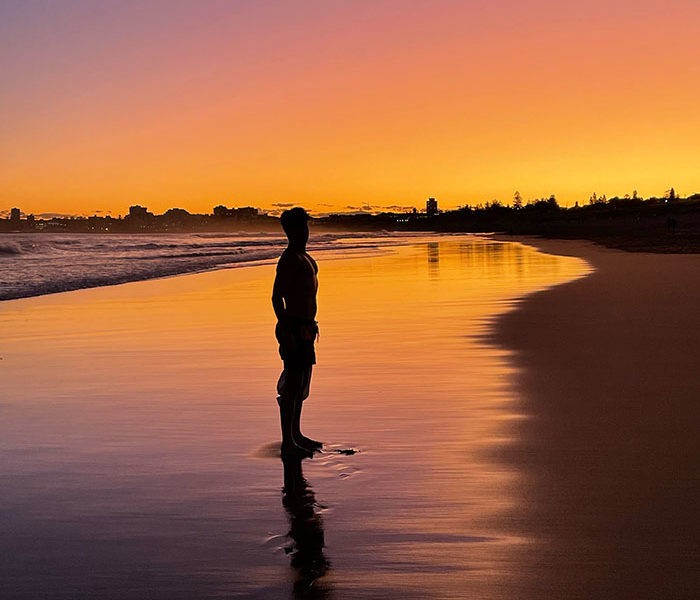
[(296, 338)]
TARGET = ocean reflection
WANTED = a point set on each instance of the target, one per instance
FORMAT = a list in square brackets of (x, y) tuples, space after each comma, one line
[(433, 259), (306, 532)]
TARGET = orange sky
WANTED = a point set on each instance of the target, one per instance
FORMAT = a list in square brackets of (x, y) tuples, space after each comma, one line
[(334, 104)]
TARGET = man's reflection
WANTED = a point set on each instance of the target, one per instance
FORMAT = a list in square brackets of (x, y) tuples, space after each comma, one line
[(305, 531)]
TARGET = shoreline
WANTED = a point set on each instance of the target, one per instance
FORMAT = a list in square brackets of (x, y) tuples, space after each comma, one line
[(644, 240), (606, 373), (394, 238)]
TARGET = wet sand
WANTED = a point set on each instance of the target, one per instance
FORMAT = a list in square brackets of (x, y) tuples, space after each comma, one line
[(138, 433), (608, 379)]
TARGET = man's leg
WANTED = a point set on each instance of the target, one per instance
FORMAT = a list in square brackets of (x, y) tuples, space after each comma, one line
[(288, 388), (304, 387)]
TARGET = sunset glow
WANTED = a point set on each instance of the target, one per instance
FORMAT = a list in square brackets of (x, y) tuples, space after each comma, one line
[(337, 105)]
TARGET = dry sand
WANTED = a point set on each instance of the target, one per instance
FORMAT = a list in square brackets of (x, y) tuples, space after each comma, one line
[(608, 377)]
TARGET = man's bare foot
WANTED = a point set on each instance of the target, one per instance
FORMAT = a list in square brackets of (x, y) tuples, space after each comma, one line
[(295, 451), (305, 442)]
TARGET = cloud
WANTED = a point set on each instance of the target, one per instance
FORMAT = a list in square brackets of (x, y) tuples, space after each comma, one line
[(283, 204), (50, 215), (358, 210), (398, 208)]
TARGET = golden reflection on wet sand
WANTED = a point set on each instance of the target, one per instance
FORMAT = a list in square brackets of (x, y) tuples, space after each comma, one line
[(135, 421)]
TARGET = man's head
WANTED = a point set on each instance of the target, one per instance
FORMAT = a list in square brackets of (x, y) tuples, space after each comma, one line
[(295, 223)]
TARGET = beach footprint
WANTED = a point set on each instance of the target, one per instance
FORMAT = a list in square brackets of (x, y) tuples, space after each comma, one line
[(272, 450), (332, 455)]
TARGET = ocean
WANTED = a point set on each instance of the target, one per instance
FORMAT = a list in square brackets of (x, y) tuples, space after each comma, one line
[(34, 264)]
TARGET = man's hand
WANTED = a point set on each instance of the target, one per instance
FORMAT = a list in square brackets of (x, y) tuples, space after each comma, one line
[(285, 335)]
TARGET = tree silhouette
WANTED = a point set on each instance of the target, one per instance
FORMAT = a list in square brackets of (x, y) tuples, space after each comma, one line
[(517, 200)]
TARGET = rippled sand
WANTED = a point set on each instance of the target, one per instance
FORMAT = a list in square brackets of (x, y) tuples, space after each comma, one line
[(138, 433)]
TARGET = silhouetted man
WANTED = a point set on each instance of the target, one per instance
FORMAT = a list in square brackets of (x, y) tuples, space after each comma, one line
[(294, 301)]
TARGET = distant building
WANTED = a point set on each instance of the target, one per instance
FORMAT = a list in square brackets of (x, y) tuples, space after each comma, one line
[(138, 212), (15, 216), (246, 213), (431, 207), (139, 217), (176, 214), (220, 211)]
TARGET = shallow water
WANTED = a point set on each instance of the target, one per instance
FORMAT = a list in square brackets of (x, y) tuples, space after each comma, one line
[(34, 264), (138, 429)]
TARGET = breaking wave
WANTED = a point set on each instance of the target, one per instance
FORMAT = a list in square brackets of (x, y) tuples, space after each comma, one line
[(44, 263)]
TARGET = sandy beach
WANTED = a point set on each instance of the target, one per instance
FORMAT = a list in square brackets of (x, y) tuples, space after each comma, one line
[(547, 451), (608, 378)]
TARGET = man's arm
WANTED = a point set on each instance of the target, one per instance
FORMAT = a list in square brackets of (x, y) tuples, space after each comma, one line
[(280, 287)]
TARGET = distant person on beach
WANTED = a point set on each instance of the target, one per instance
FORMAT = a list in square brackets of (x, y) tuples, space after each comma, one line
[(294, 302)]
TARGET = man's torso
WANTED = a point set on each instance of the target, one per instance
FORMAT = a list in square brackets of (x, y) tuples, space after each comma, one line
[(302, 284)]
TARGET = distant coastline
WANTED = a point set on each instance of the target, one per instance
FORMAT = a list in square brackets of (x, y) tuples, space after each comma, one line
[(666, 225)]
